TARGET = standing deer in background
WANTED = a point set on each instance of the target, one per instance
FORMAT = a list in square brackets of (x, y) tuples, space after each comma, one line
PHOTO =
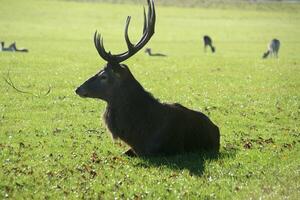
[(208, 42), (273, 49), (135, 116)]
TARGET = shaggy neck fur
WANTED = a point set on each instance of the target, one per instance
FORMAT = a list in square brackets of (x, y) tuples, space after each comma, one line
[(132, 114)]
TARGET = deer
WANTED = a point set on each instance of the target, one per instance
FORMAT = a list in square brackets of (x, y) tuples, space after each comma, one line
[(149, 52), (208, 42), (133, 115), (12, 48), (273, 49), (3, 48)]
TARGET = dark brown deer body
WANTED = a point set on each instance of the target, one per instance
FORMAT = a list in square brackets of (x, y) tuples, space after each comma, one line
[(208, 42), (12, 48), (136, 117), (149, 52), (273, 49)]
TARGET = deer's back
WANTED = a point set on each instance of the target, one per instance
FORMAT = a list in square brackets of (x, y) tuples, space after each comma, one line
[(207, 40), (274, 45), (188, 130), (164, 129)]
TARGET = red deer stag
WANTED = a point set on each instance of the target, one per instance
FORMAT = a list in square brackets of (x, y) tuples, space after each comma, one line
[(135, 116)]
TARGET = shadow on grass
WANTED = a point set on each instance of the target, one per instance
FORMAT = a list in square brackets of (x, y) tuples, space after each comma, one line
[(193, 162)]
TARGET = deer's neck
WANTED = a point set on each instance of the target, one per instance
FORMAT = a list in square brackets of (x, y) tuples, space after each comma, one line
[(128, 115)]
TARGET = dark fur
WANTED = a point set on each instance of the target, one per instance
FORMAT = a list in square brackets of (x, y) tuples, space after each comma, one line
[(273, 49), (149, 52), (12, 47), (208, 42), (150, 127)]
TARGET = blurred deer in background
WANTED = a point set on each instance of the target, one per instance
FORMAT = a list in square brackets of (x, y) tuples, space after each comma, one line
[(3, 48), (135, 116), (149, 52), (273, 49), (208, 42), (12, 47)]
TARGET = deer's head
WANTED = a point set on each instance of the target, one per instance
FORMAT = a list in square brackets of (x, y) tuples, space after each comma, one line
[(111, 79)]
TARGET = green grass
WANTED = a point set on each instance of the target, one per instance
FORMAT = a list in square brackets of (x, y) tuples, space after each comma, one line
[(56, 145)]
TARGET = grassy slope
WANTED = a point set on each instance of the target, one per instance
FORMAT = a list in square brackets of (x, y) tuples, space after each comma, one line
[(57, 145)]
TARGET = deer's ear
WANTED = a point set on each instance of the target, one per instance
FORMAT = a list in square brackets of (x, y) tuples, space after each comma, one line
[(124, 67)]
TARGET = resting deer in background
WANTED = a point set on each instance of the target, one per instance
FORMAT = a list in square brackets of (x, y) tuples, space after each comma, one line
[(12, 48), (208, 42), (135, 116), (149, 52), (273, 49), (3, 48)]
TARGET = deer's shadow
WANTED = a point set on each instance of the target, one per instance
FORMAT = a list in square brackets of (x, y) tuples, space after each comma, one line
[(193, 162)]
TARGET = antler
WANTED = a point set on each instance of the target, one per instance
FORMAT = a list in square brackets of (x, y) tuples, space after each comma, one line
[(148, 31)]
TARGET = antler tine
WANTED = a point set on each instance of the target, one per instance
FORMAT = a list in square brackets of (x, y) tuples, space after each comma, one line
[(153, 17), (145, 22), (107, 55), (148, 31), (150, 24), (97, 44), (129, 44), (149, 13), (98, 40)]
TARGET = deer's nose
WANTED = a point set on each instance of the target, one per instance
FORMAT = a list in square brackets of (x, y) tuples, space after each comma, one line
[(81, 92)]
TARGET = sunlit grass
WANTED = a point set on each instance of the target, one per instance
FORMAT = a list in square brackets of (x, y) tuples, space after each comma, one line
[(56, 145)]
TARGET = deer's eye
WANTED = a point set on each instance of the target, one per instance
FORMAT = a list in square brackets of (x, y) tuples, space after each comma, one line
[(103, 77)]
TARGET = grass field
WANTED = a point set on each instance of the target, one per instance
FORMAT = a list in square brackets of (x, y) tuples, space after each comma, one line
[(56, 145)]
